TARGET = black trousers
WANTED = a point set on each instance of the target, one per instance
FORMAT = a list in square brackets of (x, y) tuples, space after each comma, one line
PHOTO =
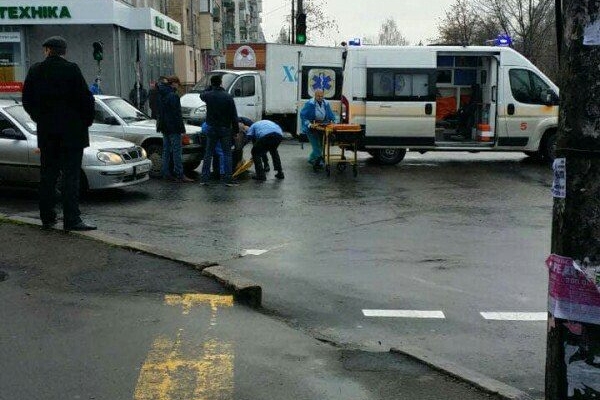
[(56, 159), (268, 143)]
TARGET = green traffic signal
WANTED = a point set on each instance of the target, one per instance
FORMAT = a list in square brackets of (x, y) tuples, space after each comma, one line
[(301, 28), (98, 51)]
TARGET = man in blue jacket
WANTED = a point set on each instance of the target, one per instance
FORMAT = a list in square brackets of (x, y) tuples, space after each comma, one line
[(316, 110), (267, 136)]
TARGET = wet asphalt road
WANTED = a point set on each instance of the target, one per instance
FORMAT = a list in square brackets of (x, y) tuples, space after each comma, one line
[(458, 233)]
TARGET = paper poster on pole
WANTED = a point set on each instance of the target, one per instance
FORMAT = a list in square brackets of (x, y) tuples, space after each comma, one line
[(559, 184), (571, 294)]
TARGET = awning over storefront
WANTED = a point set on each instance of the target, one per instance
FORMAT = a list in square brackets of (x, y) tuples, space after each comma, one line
[(78, 12)]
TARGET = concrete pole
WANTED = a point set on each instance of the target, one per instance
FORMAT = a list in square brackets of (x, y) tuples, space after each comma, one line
[(573, 341)]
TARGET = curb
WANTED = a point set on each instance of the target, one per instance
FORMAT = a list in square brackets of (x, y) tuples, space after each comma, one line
[(244, 290), (250, 293), (476, 379)]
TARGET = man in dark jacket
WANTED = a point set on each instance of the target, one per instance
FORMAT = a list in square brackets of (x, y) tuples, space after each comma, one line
[(170, 124), (57, 98), (153, 97), (221, 116)]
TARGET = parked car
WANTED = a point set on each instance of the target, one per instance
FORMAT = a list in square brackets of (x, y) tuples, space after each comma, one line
[(193, 109), (116, 117), (107, 162)]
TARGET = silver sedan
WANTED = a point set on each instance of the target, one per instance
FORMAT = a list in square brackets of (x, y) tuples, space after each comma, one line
[(107, 162)]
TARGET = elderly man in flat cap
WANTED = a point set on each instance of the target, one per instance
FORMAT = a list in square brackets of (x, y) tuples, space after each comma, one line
[(57, 98)]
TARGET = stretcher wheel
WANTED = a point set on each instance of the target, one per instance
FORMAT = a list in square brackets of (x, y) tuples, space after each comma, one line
[(355, 170), (341, 167)]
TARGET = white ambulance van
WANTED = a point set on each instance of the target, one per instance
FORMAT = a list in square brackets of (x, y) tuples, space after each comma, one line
[(443, 98)]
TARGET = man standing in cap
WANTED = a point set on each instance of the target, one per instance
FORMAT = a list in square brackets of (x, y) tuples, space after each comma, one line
[(57, 98)]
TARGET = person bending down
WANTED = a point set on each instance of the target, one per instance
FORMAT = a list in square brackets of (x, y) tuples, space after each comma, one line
[(267, 136)]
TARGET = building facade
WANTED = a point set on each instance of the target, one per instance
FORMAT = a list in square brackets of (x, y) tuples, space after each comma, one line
[(138, 42)]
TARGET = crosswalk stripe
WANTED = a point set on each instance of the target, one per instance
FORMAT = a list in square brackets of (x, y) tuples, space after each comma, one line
[(515, 316), (404, 314)]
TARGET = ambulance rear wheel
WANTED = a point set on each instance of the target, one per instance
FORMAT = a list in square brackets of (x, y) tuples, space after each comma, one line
[(388, 156)]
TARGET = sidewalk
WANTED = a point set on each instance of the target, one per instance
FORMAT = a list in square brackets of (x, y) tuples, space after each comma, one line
[(86, 320)]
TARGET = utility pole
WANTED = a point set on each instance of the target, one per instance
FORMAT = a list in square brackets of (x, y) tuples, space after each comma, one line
[(573, 341), (293, 23), (193, 27)]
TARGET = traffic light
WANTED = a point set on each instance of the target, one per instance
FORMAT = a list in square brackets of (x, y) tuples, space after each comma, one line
[(98, 51), (301, 28)]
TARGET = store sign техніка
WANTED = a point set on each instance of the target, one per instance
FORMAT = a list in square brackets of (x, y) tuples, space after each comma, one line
[(41, 12)]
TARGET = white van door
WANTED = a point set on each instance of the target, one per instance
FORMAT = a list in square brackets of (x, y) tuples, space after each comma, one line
[(247, 95), (525, 108), (400, 107)]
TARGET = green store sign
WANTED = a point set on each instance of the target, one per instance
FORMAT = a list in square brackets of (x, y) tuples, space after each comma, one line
[(171, 28), (41, 12)]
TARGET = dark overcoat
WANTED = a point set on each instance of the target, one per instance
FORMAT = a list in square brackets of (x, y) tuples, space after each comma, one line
[(57, 98)]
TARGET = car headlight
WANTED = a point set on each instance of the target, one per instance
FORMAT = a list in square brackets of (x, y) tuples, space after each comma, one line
[(110, 158), (144, 154), (199, 110)]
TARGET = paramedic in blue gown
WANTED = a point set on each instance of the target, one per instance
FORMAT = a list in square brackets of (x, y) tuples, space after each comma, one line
[(316, 110)]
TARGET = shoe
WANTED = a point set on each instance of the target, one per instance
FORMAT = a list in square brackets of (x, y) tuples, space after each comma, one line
[(46, 226), (170, 178), (279, 175), (232, 183), (267, 168), (259, 178), (203, 183), (80, 226), (185, 179)]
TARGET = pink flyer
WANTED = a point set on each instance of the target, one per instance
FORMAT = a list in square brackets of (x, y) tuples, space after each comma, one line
[(571, 294)]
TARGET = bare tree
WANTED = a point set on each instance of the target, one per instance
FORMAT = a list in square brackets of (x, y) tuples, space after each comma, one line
[(319, 25), (390, 35), (530, 23), (462, 25), (284, 36)]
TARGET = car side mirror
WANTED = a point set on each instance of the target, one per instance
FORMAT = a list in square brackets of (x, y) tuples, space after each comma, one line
[(110, 120), (11, 133), (551, 99)]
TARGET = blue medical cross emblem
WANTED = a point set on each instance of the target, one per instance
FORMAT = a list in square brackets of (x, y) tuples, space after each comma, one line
[(321, 81)]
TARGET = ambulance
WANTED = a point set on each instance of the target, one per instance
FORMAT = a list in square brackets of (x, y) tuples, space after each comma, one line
[(448, 98)]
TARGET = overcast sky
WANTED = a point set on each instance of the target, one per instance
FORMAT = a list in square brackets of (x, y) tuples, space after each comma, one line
[(417, 19)]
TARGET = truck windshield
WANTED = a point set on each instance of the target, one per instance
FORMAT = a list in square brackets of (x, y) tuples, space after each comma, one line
[(205, 82)]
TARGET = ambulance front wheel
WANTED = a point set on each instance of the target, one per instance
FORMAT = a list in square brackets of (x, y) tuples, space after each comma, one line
[(388, 156)]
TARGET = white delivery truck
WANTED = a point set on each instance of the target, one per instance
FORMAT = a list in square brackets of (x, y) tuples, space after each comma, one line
[(263, 80), (449, 98)]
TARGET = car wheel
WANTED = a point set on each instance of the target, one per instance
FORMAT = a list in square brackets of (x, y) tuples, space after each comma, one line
[(155, 151), (550, 146), (388, 156)]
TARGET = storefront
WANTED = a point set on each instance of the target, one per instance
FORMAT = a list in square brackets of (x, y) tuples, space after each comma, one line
[(137, 42)]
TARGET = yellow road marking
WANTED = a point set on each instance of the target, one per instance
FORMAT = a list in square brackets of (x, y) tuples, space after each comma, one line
[(189, 300), (179, 369)]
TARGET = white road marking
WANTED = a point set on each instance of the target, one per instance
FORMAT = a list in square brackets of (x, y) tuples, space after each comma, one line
[(253, 252), (515, 316), (404, 314)]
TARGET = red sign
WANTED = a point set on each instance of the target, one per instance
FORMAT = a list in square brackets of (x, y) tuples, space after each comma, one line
[(523, 126), (11, 86)]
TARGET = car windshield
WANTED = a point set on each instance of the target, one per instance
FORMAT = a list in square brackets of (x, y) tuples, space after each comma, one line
[(19, 113), (205, 82), (125, 111)]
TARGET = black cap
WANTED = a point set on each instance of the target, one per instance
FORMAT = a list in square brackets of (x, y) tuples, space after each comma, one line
[(55, 42)]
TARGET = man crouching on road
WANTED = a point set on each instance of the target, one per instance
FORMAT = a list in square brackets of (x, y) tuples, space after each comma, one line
[(267, 136), (57, 98)]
